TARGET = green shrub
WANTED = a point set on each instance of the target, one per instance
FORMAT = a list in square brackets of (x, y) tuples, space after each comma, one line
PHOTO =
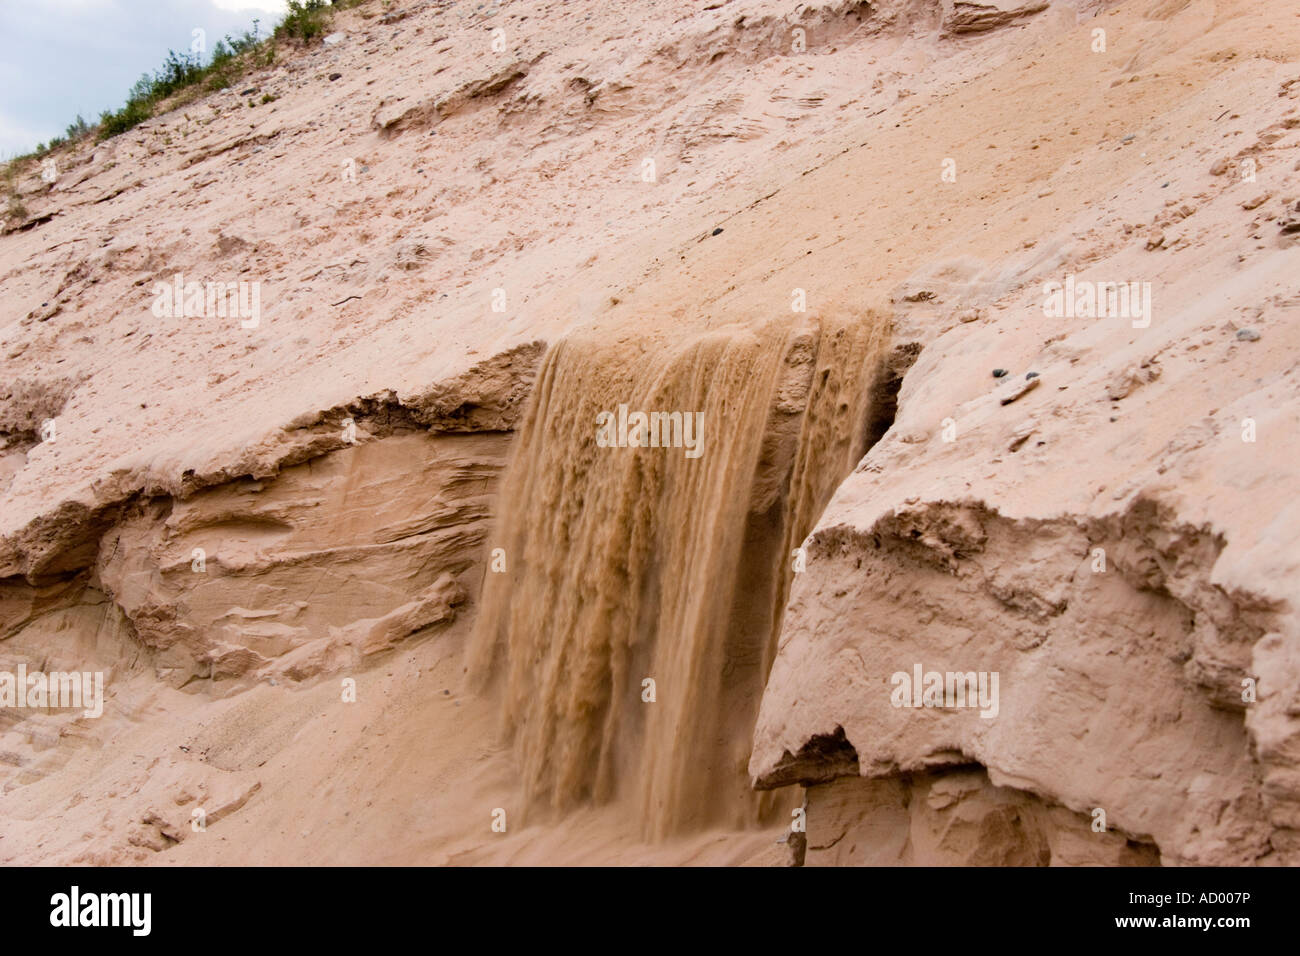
[(178, 71), (306, 20), (128, 117), (78, 129), (16, 208), (232, 58)]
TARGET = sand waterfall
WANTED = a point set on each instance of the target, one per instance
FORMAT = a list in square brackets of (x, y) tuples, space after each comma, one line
[(622, 565)]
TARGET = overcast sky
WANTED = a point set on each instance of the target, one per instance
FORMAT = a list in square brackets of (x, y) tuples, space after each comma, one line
[(59, 58)]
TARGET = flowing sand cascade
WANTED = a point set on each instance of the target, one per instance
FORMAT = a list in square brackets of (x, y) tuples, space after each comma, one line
[(632, 563)]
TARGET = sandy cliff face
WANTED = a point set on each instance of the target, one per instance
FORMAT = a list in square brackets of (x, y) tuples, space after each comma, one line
[(363, 583), (1109, 543)]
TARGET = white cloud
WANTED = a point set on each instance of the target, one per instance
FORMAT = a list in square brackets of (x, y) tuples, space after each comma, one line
[(76, 6), (269, 6), (16, 138), (59, 58)]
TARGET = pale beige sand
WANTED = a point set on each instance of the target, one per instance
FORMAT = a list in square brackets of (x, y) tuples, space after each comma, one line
[(522, 171)]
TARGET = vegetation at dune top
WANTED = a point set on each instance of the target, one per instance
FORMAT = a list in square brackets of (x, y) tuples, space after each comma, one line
[(184, 77), (306, 20)]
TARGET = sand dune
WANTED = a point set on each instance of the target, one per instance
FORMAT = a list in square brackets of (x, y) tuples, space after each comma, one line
[(987, 313)]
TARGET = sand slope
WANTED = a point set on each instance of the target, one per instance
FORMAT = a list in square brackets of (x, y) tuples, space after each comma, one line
[(340, 464)]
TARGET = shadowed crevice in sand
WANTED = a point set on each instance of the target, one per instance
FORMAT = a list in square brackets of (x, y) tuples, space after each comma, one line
[(823, 758), (884, 389)]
